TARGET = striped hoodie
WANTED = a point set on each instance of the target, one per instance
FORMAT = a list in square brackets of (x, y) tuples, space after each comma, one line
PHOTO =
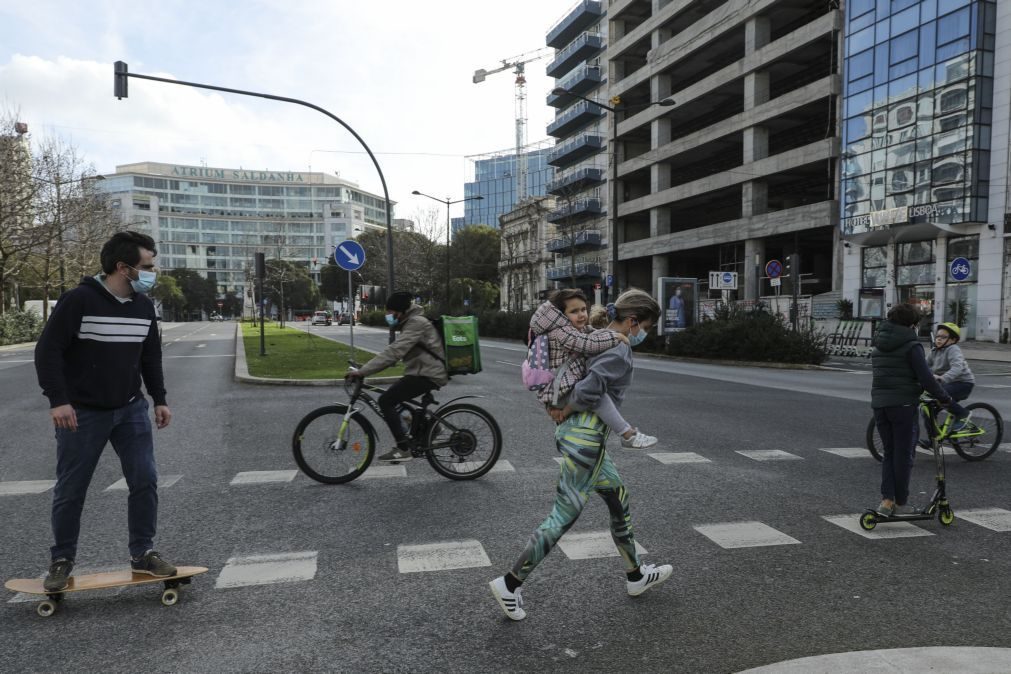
[(95, 349)]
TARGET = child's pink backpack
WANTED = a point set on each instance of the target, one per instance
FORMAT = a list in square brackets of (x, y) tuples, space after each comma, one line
[(535, 369)]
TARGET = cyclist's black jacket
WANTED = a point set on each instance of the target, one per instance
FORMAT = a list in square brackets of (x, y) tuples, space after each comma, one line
[(900, 368), (95, 349)]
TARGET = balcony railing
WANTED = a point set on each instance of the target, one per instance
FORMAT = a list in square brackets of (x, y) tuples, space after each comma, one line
[(576, 117), (576, 20), (578, 211), (580, 81), (575, 181), (581, 270), (576, 149), (582, 48), (586, 238)]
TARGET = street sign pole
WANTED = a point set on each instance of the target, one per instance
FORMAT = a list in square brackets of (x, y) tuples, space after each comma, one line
[(351, 313), (260, 273)]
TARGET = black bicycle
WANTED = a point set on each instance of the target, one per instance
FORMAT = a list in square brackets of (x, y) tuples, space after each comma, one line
[(979, 439), (336, 443)]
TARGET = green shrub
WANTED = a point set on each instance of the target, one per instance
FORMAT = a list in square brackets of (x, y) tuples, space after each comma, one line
[(738, 334), (375, 318), (20, 326)]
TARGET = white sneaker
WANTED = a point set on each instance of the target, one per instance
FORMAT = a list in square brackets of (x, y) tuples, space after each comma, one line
[(651, 575), (639, 441), (511, 602)]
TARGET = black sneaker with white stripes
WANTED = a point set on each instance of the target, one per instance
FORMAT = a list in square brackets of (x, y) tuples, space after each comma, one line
[(651, 575), (511, 602)]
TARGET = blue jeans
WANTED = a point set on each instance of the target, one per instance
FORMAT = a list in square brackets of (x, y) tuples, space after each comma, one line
[(958, 390), (77, 452), (899, 429)]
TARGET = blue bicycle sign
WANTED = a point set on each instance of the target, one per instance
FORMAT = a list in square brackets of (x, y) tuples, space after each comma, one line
[(960, 269)]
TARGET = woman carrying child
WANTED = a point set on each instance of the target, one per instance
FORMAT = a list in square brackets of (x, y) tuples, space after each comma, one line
[(581, 438)]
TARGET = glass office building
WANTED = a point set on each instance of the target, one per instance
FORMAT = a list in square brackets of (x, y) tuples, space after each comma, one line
[(213, 220), (918, 117), (495, 180)]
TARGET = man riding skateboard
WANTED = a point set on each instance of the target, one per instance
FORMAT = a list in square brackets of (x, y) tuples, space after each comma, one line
[(100, 341)]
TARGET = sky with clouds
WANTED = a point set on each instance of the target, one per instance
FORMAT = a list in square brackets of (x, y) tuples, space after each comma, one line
[(397, 71)]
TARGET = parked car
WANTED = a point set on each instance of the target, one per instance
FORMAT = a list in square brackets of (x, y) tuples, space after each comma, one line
[(321, 318), (344, 318)]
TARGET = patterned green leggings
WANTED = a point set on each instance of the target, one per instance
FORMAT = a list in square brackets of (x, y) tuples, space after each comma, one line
[(587, 467)]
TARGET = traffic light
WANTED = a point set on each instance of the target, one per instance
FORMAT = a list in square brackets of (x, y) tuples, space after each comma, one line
[(119, 80)]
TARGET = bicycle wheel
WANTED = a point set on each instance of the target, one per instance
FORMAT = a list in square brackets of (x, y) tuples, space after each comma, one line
[(328, 456), (874, 445), (464, 441), (978, 447)]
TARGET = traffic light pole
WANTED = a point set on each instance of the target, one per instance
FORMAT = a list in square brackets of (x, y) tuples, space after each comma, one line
[(121, 75)]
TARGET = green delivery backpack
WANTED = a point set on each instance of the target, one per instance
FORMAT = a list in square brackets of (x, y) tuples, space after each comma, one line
[(460, 342)]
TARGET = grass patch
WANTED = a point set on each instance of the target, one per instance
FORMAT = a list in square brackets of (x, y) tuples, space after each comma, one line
[(295, 354)]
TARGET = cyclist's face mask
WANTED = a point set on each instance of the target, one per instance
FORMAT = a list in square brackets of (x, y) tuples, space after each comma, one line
[(392, 318)]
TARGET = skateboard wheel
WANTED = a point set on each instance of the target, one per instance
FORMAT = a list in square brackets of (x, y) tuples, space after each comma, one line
[(46, 608), (169, 597)]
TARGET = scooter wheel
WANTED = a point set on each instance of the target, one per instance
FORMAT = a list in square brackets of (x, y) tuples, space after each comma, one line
[(868, 521), (946, 516)]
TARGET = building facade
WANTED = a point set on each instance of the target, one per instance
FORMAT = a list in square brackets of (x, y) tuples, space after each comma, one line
[(742, 169), (212, 220), (525, 256), (495, 181), (580, 155), (925, 160)]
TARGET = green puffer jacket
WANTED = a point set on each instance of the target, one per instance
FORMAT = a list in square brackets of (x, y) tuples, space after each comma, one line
[(894, 383), (417, 345)]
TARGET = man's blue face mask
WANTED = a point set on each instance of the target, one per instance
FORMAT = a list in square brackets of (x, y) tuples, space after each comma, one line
[(391, 320)]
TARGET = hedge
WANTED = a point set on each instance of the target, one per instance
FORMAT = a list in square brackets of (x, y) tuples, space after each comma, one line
[(18, 326)]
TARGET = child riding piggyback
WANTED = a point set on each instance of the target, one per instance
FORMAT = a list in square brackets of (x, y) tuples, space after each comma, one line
[(565, 319)]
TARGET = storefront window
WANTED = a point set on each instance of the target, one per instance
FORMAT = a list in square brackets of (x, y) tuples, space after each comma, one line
[(875, 266)]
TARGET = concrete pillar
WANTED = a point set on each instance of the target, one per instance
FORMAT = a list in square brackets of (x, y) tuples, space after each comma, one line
[(756, 143), (756, 89), (891, 292), (754, 266), (659, 221), (757, 34), (754, 198), (661, 267), (940, 277)]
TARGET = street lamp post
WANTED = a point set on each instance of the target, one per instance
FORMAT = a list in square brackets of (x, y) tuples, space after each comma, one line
[(121, 75), (613, 110), (448, 204)]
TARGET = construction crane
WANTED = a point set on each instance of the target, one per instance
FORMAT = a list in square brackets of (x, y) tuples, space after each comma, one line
[(518, 64)]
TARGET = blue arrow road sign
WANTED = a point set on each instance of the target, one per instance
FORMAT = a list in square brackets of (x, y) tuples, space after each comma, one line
[(960, 269), (349, 255)]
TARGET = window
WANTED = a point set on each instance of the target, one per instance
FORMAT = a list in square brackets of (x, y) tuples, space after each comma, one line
[(953, 27), (860, 65), (875, 266), (903, 47)]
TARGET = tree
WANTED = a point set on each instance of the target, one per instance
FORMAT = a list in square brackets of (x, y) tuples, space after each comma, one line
[(333, 281), (475, 253), (168, 292), (200, 293), (289, 286), (17, 204), (418, 268)]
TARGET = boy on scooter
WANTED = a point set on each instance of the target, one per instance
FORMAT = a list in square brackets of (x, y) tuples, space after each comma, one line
[(900, 375)]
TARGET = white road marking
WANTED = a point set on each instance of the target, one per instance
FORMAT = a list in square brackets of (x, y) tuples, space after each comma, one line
[(164, 482), (441, 556), (591, 545), (768, 455), (291, 567), (398, 470), (501, 466), (264, 476), (506, 362), (849, 452), (26, 487), (731, 535), (994, 519), (559, 460), (200, 346), (882, 530), (678, 457)]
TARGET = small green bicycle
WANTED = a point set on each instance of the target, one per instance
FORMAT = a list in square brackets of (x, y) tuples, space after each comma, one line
[(978, 440)]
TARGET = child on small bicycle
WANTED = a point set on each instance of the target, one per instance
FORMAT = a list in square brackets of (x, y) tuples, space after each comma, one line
[(565, 319), (900, 375), (951, 370)]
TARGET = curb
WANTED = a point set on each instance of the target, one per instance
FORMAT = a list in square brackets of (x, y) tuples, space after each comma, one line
[(21, 345), (242, 371)]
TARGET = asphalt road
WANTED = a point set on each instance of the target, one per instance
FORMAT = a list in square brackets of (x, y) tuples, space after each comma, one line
[(307, 576)]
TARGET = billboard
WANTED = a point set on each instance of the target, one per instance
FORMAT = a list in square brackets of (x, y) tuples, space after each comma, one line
[(678, 298)]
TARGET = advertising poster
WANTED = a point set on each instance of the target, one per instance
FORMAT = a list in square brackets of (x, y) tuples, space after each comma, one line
[(678, 298)]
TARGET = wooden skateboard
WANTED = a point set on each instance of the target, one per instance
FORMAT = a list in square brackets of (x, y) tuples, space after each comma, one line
[(99, 581)]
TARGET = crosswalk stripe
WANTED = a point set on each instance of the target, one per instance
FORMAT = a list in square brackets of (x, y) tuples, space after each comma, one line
[(768, 455), (442, 556), (729, 535), (849, 452), (164, 482), (289, 567), (678, 457), (264, 476), (19, 487), (591, 545), (995, 519), (886, 530)]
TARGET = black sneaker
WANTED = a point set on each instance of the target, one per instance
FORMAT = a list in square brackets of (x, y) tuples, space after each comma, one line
[(59, 575), (397, 455), (153, 565)]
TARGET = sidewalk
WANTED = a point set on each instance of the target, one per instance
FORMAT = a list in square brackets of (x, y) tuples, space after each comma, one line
[(986, 351)]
